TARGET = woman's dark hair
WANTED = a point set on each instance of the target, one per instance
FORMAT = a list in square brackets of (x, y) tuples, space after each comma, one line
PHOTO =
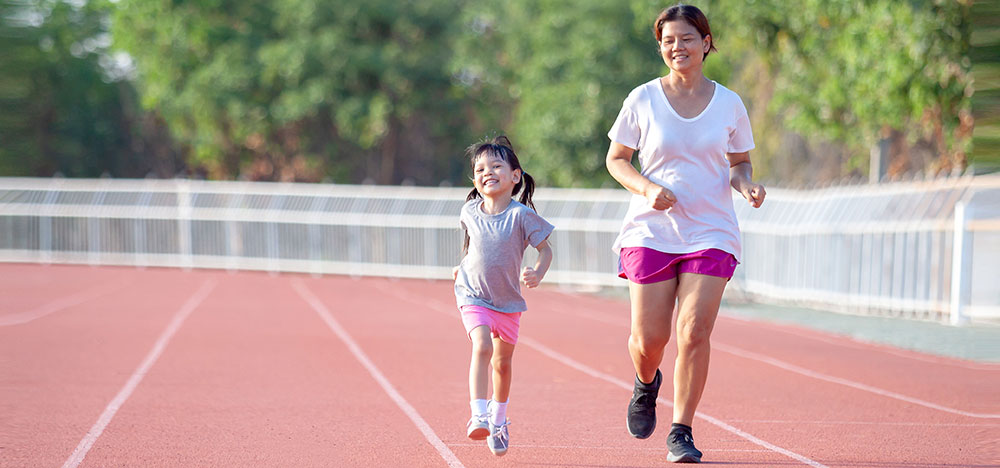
[(501, 148), (689, 13)]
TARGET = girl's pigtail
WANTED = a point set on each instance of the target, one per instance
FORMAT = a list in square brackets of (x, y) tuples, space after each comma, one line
[(465, 245), (528, 190), (502, 140), (472, 195)]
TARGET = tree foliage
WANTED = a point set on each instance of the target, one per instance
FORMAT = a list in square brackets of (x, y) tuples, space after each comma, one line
[(855, 72), (563, 68), (391, 91), (65, 109), (281, 90)]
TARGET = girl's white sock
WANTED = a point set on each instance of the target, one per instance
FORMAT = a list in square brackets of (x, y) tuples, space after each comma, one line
[(479, 407), (498, 412)]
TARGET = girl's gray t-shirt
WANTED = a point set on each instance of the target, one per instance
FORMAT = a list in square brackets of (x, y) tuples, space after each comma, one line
[(489, 275)]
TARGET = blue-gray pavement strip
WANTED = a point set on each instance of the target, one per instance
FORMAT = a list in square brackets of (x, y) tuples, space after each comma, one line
[(974, 342)]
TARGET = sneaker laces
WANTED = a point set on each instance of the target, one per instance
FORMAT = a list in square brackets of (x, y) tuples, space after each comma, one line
[(641, 400), (500, 432), (684, 441), (679, 437)]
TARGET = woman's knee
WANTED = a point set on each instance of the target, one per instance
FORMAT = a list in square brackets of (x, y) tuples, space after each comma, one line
[(693, 332), (648, 343)]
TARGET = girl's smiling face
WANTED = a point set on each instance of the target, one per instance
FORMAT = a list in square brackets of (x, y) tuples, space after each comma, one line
[(493, 177)]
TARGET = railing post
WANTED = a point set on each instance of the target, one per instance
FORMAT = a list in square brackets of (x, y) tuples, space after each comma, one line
[(184, 224), (276, 201), (45, 224), (139, 224), (960, 265), (94, 231), (315, 236)]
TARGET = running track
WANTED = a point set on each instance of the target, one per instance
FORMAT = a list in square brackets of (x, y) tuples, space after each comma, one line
[(159, 367)]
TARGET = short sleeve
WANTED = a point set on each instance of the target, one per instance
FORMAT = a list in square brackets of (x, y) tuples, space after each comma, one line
[(536, 228), (741, 137), (626, 129)]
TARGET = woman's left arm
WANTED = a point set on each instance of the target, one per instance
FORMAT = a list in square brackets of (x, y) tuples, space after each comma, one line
[(741, 178)]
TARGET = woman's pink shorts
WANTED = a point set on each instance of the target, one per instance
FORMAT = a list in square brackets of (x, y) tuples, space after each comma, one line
[(643, 265), (501, 324)]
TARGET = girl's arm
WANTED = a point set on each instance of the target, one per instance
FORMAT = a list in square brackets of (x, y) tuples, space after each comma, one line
[(532, 276), (619, 162), (741, 178)]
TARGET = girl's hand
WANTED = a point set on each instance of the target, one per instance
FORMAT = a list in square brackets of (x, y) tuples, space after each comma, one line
[(454, 273), (754, 193), (530, 277), (659, 197)]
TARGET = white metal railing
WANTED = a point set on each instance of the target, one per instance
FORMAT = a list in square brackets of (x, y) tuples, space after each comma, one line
[(885, 249)]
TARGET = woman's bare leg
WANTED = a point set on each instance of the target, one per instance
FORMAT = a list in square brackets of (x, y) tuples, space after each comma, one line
[(699, 298), (652, 309)]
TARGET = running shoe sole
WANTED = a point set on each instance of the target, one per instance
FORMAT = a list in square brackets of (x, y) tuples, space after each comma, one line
[(479, 433), (685, 458), (640, 436), (478, 430)]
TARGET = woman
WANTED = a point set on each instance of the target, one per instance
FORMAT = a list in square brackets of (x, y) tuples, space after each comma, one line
[(680, 240)]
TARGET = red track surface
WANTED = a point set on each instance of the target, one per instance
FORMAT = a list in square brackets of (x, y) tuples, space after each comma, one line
[(126, 367)]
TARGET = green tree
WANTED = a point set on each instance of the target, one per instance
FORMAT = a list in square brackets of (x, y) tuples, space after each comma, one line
[(854, 72), (836, 76), (563, 70), (302, 89), (64, 106), (985, 55)]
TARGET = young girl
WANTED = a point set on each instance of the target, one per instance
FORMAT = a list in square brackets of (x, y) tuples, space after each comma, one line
[(497, 231)]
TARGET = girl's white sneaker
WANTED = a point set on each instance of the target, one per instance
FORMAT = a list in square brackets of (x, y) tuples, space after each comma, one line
[(499, 438), (478, 427)]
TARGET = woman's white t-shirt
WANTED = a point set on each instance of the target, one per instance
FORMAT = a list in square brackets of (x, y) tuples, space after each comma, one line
[(687, 156)]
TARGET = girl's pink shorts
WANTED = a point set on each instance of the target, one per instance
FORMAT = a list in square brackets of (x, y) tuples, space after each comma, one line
[(501, 324), (643, 265)]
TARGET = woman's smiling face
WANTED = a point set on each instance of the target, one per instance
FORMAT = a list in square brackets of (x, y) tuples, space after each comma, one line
[(682, 46)]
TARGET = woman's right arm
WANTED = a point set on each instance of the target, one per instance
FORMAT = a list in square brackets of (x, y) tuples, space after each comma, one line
[(619, 162)]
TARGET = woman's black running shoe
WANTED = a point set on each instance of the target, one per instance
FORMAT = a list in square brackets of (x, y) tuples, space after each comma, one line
[(641, 419), (680, 447)]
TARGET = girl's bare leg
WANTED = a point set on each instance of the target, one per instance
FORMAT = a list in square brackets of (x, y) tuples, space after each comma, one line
[(503, 353), (482, 352)]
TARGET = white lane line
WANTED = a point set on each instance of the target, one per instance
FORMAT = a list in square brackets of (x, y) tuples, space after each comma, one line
[(849, 383), (861, 423), (846, 341), (606, 447), (62, 303), (360, 355), (807, 372), (825, 337), (628, 387), (192, 303), (538, 346)]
